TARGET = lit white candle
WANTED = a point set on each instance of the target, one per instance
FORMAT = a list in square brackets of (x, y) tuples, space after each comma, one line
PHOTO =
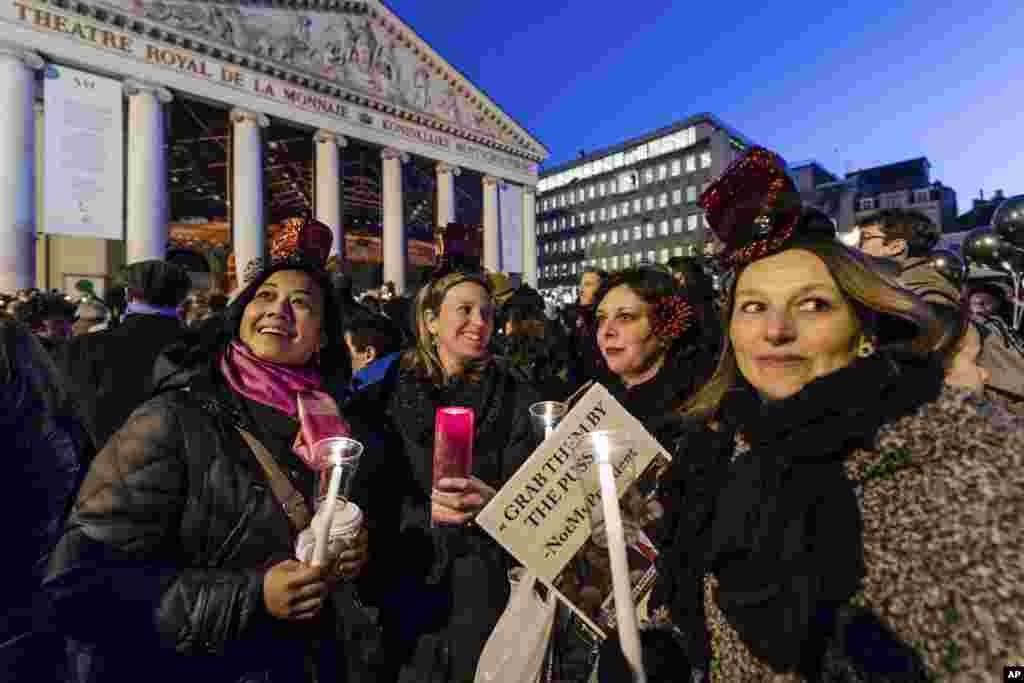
[(625, 610), (323, 530)]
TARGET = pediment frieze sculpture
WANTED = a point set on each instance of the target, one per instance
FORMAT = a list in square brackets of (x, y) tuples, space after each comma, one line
[(355, 44)]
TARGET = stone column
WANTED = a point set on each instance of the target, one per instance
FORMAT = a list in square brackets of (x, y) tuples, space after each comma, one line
[(492, 247), (249, 231), (530, 236), (146, 172), (328, 186), (393, 237), (17, 167), (446, 192)]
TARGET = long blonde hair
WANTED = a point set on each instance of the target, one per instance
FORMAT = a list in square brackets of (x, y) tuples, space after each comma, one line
[(872, 294), (424, 359)]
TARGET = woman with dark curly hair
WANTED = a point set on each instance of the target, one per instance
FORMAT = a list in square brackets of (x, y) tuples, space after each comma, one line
[(655, 354), (183, 534)]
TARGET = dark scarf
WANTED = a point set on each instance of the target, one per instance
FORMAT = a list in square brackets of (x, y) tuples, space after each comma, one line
[(780, 526), (414, 406)]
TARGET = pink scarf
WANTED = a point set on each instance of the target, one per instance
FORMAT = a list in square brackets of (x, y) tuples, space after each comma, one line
[(293, 391)]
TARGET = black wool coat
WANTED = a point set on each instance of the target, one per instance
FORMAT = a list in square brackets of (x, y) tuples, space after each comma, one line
[(110, 372), (452, 584)]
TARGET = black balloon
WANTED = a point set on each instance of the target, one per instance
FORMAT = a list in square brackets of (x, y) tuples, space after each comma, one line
[(1008, 220), (952, 267), (984, 247)]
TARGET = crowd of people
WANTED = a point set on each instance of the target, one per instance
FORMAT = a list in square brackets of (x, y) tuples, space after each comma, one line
[(843, 501)]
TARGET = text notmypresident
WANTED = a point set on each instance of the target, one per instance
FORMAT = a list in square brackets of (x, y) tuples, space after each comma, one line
[(541, 515)]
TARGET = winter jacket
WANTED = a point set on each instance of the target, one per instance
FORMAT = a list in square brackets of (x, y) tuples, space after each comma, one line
[(160, 569), (109, 373), (42, 455), (453, 583)]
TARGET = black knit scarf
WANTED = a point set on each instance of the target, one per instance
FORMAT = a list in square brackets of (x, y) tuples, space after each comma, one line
[(780, 525)]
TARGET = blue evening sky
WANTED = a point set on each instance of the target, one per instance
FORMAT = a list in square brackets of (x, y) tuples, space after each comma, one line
[(852, 85)]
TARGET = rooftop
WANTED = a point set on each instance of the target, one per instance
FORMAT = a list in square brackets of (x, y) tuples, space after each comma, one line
[(647, 137)]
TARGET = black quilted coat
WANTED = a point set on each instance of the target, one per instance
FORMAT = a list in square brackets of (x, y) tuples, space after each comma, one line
[(159, 574)]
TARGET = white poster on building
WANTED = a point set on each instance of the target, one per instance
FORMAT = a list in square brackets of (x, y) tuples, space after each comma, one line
[(510, 227), (83, 181)]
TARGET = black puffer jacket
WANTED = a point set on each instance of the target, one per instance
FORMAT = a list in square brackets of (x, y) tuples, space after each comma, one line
[(160, 569)]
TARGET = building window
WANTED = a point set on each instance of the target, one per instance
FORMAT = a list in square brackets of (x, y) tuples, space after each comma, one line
[(867, 204), (637, 258), (663, 200), (649, 202), (663, 256), (892, 202), (677, 196), (593, 215), (615, 236), (691, 194), (601, 189), (663, 228), (691, 163), (613, 210), (625, 209), (705, 159), (691, 250), (638, 232), (581, 195), (603, 213), (590, 192), (922, 196), (561, 200), (649, 175), (604, 264), (677, 167), (651, 257), (604, 237), (677, 251), (691, 222), (663, 172), (636, 204), (612, 186), (625, 234), (677, 224), (563, 222), (615, 263), (649, 230), (625, 260), (593, 238), (572, 244)]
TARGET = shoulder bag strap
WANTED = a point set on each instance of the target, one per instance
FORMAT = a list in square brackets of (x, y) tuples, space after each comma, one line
[(291, 500)]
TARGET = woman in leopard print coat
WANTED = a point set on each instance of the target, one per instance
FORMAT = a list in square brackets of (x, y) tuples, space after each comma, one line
[(837, 513)]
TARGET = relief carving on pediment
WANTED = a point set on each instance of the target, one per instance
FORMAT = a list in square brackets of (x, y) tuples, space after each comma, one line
[(348, 48)]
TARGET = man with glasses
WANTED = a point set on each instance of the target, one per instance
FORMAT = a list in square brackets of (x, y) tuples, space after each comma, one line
[(907, 238)]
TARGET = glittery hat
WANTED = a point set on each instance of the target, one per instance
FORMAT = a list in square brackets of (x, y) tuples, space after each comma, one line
[(301, 241), (754, 208)]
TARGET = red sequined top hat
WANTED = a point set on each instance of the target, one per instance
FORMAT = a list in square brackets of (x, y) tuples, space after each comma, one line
[(302, 241), (753, 207)]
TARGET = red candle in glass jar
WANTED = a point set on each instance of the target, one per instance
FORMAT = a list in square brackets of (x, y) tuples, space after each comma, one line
[(453, 443)]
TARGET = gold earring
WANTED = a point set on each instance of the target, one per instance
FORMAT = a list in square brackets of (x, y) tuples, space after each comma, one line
[(865, 347)]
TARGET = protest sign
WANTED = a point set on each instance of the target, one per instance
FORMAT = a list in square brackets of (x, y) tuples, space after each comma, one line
[(543, 518)]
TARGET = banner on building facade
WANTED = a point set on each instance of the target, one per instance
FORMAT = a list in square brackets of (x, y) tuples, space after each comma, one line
[(510, 227), (83, 154), (543, 517)]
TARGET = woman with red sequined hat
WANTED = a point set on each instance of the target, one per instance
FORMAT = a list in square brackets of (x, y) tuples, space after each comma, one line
[(184, 532), (834, 511)]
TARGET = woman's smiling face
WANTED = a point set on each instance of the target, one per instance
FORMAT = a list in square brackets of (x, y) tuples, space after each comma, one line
[(282, 323), (463, 326)]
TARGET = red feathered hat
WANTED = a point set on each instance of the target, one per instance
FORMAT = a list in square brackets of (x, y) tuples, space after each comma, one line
[(753, 207), (302, 241)]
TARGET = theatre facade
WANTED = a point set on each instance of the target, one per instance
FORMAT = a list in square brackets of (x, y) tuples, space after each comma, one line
[(335, 107)]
